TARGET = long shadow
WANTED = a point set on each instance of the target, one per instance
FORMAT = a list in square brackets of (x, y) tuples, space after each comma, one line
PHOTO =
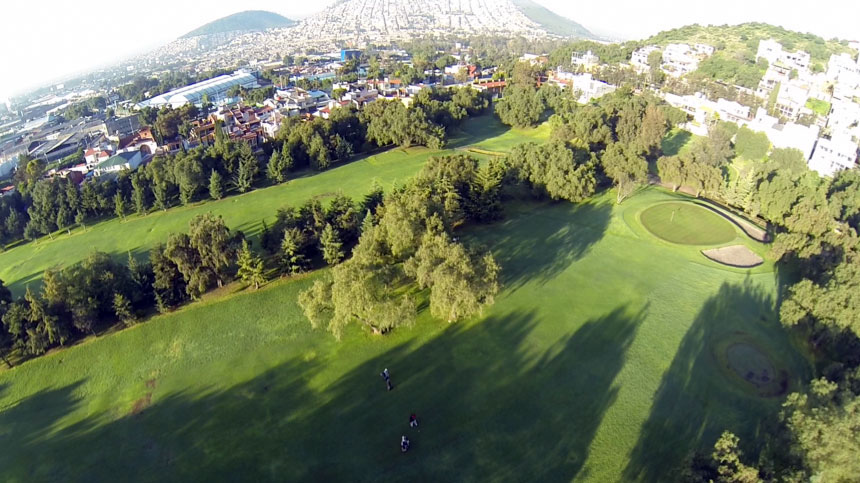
[(476, 130), (673, 143), (542, 240), (490, 408), (699, 398), (28, 423)]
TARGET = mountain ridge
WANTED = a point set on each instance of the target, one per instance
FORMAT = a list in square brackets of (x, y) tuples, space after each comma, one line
[(245, 21), (552, 22)]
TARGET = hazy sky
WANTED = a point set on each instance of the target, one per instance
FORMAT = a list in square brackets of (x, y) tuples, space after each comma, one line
[(43, 40)]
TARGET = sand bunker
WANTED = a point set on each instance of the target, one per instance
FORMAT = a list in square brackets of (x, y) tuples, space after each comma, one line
[(734, 256)]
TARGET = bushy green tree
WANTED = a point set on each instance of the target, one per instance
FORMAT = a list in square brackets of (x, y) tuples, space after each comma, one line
[(520, 107), (250, 266), (627, 169), (460, 283)]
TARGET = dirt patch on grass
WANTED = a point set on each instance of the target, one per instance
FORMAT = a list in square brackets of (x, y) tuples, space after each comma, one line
[(150, 384), (141, 404), (734, 256)]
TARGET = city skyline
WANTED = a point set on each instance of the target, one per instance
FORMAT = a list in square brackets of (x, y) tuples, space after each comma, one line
[(68, 52)]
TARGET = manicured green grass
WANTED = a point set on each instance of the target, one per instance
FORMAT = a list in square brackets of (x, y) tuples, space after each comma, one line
[(822, 108), (25, 264), (677, 141), (687, 223), (596, 364)]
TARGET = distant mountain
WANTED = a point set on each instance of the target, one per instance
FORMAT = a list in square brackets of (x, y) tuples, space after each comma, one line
[(372, 21), (551, 21), (249, 20)]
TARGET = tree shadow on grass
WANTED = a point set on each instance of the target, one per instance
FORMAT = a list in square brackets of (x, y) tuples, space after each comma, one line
[(543, 240), (29, 423), (477, 130), (676, 140), (490, 406), (698, 399)]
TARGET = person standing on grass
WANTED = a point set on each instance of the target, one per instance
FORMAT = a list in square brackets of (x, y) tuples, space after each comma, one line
[(413, 421), (387, 377)]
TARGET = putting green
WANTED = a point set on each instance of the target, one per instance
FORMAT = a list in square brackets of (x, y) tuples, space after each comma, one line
[(687, 224)]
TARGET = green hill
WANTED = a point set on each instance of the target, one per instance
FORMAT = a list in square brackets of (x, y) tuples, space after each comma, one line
[(248, 20), (552, 22)]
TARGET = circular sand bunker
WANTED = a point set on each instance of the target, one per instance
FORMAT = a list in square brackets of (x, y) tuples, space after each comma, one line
[(734, 256), (751, 368), (687, 224)]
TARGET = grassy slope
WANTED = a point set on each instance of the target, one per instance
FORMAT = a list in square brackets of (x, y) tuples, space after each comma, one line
[(594, 364), (25, 264)]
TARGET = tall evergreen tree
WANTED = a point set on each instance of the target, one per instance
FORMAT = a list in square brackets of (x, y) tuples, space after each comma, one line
[(248, 169), (331, 246), (292, 258), (122, 309), (119, 205), (216, 185), (250, 266)]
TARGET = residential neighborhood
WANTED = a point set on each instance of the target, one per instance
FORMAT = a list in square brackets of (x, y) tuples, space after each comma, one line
[(814, 112)]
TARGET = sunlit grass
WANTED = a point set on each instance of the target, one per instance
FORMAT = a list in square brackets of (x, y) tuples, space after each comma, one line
[(593, 364)]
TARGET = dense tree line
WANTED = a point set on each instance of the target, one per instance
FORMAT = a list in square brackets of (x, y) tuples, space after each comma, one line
[(45, 206)]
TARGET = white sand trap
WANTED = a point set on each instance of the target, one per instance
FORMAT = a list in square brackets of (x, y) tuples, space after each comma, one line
[(734, 256)]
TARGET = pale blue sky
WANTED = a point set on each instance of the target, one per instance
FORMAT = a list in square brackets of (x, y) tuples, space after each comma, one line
[(43, 40)]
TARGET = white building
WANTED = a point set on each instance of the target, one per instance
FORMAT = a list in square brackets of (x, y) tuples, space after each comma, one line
[(843, 69), (681, 59), (791, 100), (833, 155), (122, 161), (588, 87), (639, 58), (214, 90), (733, 111), (787, 135), (844, 117), (772, 51), (533, 59), (586, 60)]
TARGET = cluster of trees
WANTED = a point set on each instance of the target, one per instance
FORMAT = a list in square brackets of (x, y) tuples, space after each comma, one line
[(99, 292), (621, 130), (85, 108), (169, 123), (427, 122), (73, 303), (44, 206), (406, 245), (702, 167), (741, 69)]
